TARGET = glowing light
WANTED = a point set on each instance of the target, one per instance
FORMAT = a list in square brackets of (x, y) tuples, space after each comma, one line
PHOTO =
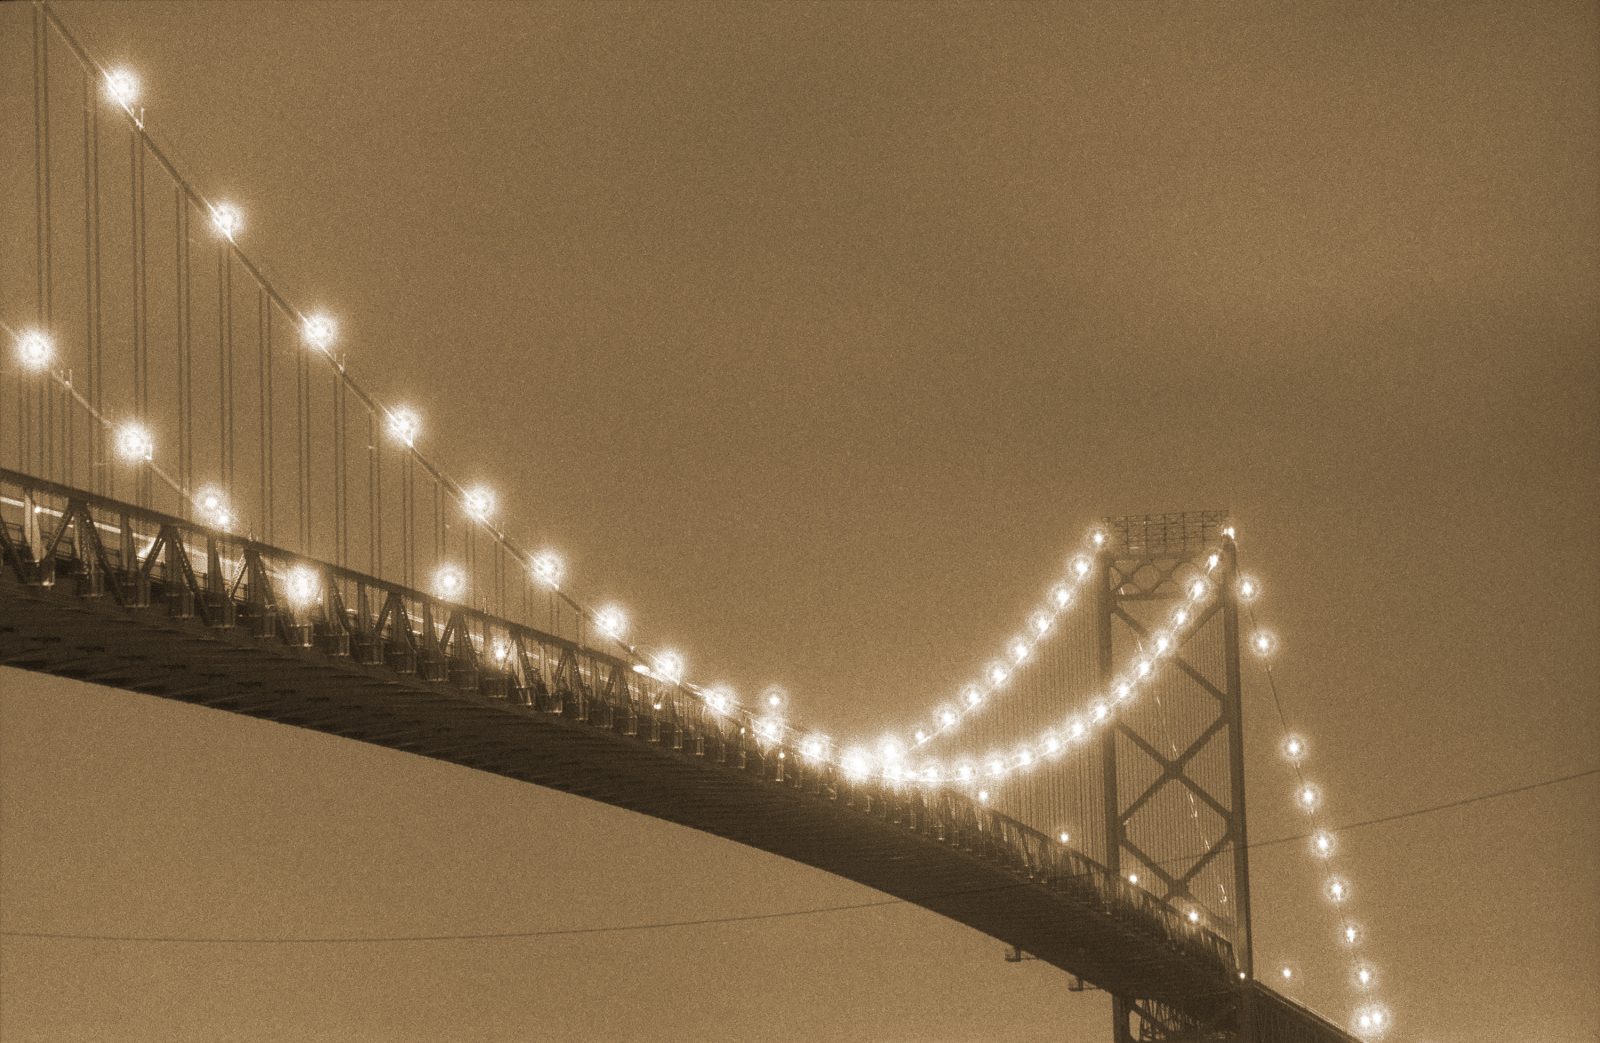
[(997, 767), (1062, 596), (478, 502), (214, 507), (813, 747), (1099, 712), (1052, 744), (611, 622), (1040, 623), (1143, 668), (134, 444), (1019, 650), (983, 796), (997, 674), (856, 764), (947, 717), (1081, 566), (1322, 844), (319, 331), (1193, 916), (300, 586), (930, 773), (1098, 537), (1287, 973), (1076, 729), (1133, 878), (1064, 837), (890, 751), (1211, 561), (719, 699), (34, 349), (1308, 798), (972, 695), (1294, 748), (1228, 531), (1123, 690), (1338, 890), (1364, 976), (227, 219), (1263, 643), (1024, 757), (1162, 644), (921, 736), (1198, 589), (964, 772), (1352, 934), (501, 651), (449, 582), (123, 87), (669, 667), (769, 728), (404, 426), (547, 569), (1248, 589), (1180, 617), (1372, 1022)]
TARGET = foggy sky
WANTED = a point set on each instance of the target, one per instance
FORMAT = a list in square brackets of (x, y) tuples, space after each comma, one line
[(816, 336)]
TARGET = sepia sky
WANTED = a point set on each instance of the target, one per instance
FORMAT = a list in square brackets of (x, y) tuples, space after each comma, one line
[(816, 335)]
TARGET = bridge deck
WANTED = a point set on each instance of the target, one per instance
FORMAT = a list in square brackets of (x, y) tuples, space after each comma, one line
[(65, 610), (869, 837)]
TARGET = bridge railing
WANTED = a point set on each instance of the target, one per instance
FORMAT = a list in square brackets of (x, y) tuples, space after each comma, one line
[(56, 536)]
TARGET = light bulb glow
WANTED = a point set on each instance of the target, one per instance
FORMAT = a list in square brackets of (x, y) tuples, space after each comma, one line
[(972, 695), (1193, 916), (227, 220), (134, 444), (300, 586), (34, 350), (1076, 729), (813, 747), (1308, 798), (1248, 589), (1198, 589), (1364, 976), (1098, 537), (1041, 623), (947, 717), (1064, 837), (501, 651), (1180, 617), (669, 667), (611, 622), (1322, 844), (478, 502), (997, 674), (1019, 650), (856, 763), (404, 426), (1212, 560), (1062, 596), (1351, 934), (319, 331), (1263, 643), (1338, 890), (547, 569), (123, 87), (983, 796), (449, 582), (1080, 566), (1123, 690), (1294, 748), (1099, 712), (720, 700)]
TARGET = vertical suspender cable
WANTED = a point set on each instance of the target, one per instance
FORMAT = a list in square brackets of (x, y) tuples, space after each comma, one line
[(374, 499), (185, 420), (303, 450), (264, 407)]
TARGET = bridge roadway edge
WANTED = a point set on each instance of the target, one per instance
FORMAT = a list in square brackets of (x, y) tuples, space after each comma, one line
[(50, 630)]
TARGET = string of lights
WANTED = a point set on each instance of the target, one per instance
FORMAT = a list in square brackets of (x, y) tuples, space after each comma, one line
[(1371, 1019), (1041, 625), (1075, 730)]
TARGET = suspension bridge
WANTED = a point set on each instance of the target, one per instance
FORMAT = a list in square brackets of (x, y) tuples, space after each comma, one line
[(202, 500)]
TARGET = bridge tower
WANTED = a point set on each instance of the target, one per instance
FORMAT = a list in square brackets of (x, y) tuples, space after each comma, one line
[(1172, 767)]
